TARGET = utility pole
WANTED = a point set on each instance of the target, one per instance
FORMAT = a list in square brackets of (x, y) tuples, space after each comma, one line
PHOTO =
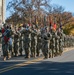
[(2, 11)]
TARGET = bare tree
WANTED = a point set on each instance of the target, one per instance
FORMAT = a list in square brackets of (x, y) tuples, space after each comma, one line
[(27, 9)]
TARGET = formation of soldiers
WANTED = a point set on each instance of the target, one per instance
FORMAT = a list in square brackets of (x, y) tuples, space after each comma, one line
[(33, 40)]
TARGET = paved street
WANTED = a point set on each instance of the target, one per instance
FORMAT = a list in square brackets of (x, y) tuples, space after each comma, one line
[(61, 65)]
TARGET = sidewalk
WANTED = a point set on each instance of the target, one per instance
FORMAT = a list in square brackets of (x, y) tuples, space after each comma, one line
[(68, 48)]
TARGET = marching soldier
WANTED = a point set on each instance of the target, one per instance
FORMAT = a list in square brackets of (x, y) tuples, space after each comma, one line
[(50, 37), (52, 42), (26, 41), (45, 43), (56, 44), (20, 42), (10, 43), (61, 41), (16, 37), (33, 41), (5, 39), (39, 44)]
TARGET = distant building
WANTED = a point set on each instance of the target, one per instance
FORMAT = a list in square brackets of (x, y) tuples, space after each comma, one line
[(2, 11)]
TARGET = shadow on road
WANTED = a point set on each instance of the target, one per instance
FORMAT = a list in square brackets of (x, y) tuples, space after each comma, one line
[(49, 68)]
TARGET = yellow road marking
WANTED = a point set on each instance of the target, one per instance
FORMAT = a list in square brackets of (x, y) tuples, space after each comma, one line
[(19, 65)]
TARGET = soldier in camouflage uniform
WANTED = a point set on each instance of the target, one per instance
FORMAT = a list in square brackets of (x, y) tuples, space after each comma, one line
[(61, 41), (52, 42), (39, 44), (33, 42), (56, 43), (26, 41), (50, 37), (4, 49), (10, 43), (16, 40), (20, 42), (45, 46), (45, 42), (5, 40)]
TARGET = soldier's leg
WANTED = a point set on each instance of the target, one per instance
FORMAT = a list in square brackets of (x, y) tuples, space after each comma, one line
[(32, 54), (38, 49), (20, 51), (27, 55), (52, 52), (27, 50), (6, 55), (61, 50), (34, 50), (16, 49), (4, 52), (10, 51), (43, 50), (46, 51)]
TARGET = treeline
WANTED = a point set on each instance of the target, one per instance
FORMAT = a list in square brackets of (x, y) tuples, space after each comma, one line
[(39, 12)]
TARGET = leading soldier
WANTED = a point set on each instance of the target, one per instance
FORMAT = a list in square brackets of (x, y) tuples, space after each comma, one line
[(26, 41), (5, 40)]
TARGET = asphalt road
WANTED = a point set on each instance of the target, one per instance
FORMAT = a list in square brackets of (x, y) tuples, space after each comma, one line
[(61, 65)]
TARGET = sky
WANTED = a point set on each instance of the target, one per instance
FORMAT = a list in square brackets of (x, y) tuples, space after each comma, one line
[(67, 4)]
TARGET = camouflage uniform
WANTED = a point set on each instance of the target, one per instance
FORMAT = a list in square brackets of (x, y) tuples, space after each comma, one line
[(26, 42), (56, 44), (61, 41), (52, 43), (39, 44), (4, 48), (5, 41), (16, 37), (50, 37), (33, 42), (21, 44), (45, 45), (10, 44), (45, 41)]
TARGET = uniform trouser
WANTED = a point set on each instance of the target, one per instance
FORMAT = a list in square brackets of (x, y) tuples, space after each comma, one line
[(52, 50), (27, 50), (20, 47), (56, 49), (5, 49), (27, 53), (16, 49), (52, 46), (38, 48), (45, 50), (20, 50), (61, 47), (33, 51), (10, 50)]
